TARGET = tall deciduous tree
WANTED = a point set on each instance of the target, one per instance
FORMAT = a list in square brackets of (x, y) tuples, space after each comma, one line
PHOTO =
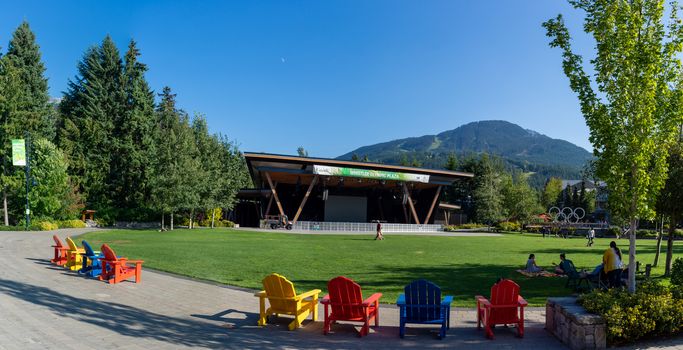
[(51, 196), (636, 114), (520, 201), (670, 201), (487, 194), (551, 192)]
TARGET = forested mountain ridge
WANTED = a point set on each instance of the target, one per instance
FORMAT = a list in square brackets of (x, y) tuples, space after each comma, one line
[(519, 148)]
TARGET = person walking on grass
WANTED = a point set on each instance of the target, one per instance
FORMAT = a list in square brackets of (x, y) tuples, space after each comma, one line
[(379, 235), (590, 236)]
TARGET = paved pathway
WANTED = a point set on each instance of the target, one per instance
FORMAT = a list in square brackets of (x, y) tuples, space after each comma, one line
[(46, 307)]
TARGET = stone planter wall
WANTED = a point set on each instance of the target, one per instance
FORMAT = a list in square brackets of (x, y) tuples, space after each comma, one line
[(573, 325)]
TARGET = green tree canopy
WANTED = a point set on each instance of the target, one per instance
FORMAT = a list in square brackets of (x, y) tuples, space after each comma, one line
[(636, 112)]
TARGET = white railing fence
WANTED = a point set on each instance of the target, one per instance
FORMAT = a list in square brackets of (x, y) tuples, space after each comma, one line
[(364, 227)]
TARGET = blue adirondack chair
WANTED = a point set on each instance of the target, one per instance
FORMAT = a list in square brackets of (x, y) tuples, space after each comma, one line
[(92, 265), (422, 304)]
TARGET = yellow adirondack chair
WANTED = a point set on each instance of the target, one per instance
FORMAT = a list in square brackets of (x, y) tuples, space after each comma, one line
[(283, 299), (74, 259)]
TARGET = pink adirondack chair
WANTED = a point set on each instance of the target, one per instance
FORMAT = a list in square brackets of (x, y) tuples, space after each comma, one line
[(346, 303), (505, 307)]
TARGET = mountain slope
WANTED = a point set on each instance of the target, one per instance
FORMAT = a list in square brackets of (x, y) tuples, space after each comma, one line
[(519, 147)]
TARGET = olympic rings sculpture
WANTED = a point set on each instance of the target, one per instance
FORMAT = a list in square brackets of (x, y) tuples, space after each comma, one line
[(567, 215)]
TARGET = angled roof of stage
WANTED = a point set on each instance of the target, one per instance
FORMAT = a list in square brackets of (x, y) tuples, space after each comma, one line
[(292, 169)]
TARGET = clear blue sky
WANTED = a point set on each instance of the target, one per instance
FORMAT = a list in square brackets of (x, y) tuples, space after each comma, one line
[(329, 75)]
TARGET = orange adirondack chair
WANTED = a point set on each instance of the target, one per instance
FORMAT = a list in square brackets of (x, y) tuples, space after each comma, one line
[(347, 304), (60, 252), (116, 269), (283, 299), (505, 307)]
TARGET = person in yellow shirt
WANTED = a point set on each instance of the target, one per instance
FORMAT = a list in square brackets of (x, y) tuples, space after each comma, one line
[(611, 260)]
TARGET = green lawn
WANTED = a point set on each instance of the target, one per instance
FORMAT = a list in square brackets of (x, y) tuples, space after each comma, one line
[(462, 266)]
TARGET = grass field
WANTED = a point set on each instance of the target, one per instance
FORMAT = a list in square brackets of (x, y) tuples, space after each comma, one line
[(462, 266)]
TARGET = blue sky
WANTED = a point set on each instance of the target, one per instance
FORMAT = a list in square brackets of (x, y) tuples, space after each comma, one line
[(330, 76)]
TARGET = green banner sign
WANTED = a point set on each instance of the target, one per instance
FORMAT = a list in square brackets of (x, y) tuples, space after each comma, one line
[(369, 174), (19, 152)]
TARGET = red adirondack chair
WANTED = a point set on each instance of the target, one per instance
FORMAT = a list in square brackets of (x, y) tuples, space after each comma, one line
[(116, 269), (60, 252), (505, 307), (347, 304)]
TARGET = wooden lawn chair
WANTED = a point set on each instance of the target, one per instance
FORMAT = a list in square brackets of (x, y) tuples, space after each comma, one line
[(60, 252), (345, 303), (92, 264), (281, 295), (116, 269), (74, 257), (422, 304), (506, 306)]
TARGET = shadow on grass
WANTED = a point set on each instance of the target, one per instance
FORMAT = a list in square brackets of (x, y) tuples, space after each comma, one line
[(461, 281)]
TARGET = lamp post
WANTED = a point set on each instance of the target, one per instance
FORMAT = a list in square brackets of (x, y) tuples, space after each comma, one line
[(28, 179)]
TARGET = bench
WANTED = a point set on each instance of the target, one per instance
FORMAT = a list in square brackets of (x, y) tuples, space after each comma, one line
[(573, 325)]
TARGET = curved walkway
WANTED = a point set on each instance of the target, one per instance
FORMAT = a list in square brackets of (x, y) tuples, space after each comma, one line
[(46, 307)]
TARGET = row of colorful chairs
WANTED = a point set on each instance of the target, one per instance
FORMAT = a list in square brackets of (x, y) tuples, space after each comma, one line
[(421, 303), (104, 265)]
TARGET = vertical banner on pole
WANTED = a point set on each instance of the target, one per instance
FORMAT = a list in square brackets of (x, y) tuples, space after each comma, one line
[(19, 152)]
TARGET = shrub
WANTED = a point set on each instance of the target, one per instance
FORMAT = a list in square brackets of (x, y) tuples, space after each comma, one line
[(508, 226), (12, 228), (43, 226), (652, 310), (677, 273), (71, 224)]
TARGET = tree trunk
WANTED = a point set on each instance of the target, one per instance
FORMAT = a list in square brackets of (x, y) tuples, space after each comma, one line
[(191, 217), (660, 233), (632, 256), (4, 205), (171, 221), (162, 220), (213, 216), (670, 245)]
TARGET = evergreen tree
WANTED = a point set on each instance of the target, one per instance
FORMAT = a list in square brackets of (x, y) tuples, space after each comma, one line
[(354, 157), (94, 104), (32, 100), (302, 152), (177, 169), (24, 104), (134, 143), (451, 162)]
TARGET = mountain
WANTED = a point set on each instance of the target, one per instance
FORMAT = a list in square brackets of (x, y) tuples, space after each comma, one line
[(518, 147)]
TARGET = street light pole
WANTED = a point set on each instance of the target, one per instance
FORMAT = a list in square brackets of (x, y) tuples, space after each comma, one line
[(28, 179)]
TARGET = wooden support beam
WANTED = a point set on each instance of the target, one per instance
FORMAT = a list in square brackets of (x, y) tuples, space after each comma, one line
[(277, 199), (436, 198), (270, 202), (303, 201), (410, 203)]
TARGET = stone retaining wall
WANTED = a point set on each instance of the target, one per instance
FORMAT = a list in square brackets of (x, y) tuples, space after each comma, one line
[(573, 325)]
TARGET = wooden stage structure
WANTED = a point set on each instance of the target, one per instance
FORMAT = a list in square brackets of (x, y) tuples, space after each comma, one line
[(320, 189)]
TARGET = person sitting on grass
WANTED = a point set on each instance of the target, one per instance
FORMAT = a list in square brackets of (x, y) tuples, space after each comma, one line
[(565, 267), (531, 265)]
